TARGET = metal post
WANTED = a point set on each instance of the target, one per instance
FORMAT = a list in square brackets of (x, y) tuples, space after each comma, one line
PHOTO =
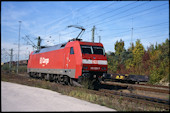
[(18, 46), (93, 29), (132, 31), (99, 39), (11, 58)]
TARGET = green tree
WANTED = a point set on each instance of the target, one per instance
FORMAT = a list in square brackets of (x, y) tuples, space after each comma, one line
[(119, 47), (138, 52), (154, 75), (159, 62)]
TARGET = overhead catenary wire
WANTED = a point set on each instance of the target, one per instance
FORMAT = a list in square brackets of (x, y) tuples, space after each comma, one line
[(129, 18), (155, 36), (128, 32), (76, 30), (96, 23), (61, 19), (101, 15), (111, 11), (118, 13), (89, 17), (87, 30), (65, 17), (90, 11), (126, 15), (130, 14), (133, 27), (142, 27), (81, 16)]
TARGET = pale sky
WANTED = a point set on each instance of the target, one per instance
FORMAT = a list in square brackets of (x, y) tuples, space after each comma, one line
[(113, 21)]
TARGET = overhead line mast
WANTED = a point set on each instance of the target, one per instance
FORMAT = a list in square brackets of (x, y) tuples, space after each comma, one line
[(132, 31), (18, 45), (93, 29)]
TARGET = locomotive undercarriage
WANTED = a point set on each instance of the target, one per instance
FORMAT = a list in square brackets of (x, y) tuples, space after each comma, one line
[(58, 78), (88, 80)]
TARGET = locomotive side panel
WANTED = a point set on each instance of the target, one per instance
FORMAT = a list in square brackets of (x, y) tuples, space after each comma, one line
[(52, 62), (68, 67), (74, 58), (47, 60), (78, 57)]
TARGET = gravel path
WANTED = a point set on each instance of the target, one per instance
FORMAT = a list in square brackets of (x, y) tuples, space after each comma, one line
[(16, 97)]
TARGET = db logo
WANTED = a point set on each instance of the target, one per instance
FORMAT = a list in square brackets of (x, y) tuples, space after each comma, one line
[(44, 61), (94, 62)]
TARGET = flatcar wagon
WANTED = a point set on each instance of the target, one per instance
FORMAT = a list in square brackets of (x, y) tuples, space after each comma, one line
[(69, 61), (126, 78)]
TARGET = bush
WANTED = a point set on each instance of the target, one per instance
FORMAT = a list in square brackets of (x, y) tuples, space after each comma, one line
[(154, 75)]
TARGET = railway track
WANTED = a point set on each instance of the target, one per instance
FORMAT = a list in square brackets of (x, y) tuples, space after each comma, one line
[(156, 102), (150, 88), (162, 103), (157, 86)]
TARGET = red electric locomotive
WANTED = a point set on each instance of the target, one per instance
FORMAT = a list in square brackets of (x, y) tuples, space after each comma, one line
[(68, 61)]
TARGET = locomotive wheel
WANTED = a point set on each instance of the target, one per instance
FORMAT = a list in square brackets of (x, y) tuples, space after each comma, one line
[(51, 77), (70, 82), (45, 77), (59, 79), (66, 80), (55, 78)]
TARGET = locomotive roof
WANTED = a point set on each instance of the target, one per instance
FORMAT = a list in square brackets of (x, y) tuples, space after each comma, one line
[(51, 48), (62, 45)]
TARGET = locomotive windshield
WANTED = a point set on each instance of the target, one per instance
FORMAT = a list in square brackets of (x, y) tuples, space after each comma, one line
[(87, 49)]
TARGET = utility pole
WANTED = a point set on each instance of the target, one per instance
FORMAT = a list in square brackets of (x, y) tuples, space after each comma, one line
[(99, 39), (93, 29), (39, 43), (18, 45), (11, 59), (132, 31)]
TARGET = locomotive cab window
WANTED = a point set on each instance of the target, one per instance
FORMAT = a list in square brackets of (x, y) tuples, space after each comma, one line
[(71, 50), (98, 50), (87, 49)]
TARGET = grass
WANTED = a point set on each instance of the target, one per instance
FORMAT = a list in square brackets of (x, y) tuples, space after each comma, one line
[(114, 102)]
